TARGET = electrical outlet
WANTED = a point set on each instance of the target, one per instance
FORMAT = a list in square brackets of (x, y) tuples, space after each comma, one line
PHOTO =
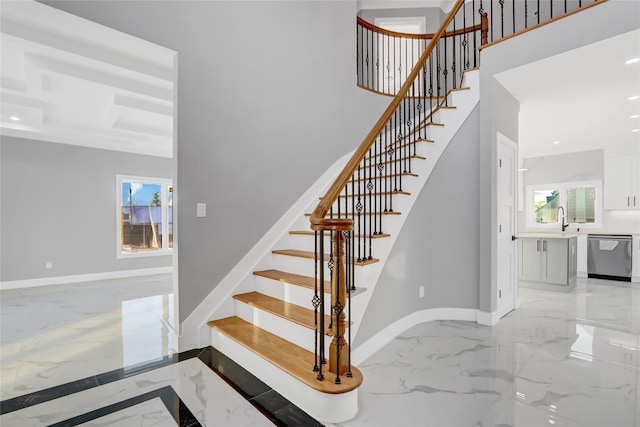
[(421, 291), (48, 265)]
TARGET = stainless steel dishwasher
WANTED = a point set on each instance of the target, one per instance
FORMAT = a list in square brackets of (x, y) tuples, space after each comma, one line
[(609, 256)]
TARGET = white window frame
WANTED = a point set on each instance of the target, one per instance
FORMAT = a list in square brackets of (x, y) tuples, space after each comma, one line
[(164, 183), (562, 187)]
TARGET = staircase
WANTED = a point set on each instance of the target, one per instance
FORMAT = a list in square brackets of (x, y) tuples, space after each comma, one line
[(266, 321), (271, 326)]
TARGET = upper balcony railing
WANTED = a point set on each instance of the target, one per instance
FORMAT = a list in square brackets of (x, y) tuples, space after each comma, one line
[(385, 58)]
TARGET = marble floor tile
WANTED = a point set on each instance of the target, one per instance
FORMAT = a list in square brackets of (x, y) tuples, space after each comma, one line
[(146, 414), (561, 359), (57, 334)]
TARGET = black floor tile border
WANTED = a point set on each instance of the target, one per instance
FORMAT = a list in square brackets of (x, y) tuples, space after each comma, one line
[(37, 397), (178, 410), (272, 404), (269, 402)]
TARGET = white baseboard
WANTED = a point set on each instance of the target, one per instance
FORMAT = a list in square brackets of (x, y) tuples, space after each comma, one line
[(487, 319), (375, 343), (60, 280)]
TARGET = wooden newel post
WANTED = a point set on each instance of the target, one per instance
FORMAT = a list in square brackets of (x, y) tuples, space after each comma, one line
[(338, 349), (484, 31)]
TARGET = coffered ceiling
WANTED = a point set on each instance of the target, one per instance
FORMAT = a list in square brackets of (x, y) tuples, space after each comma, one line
[(68, 80)]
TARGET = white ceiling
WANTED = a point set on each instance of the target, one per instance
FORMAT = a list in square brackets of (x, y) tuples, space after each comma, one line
[(579, 98), (68, 80)]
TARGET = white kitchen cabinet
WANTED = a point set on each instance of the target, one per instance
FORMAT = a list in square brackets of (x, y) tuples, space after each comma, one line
[(548, 261), (622, 182), (582, 265), (635, 259)]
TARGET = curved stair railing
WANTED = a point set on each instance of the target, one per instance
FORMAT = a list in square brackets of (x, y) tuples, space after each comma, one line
[(350, 215), (385, 58)]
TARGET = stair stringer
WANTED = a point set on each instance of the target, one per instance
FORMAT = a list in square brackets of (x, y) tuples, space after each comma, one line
[(464, 101)]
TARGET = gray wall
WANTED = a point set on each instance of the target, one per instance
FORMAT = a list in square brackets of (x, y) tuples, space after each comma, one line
[(438, 245), (58, 205), (566, 34), (266, 103)]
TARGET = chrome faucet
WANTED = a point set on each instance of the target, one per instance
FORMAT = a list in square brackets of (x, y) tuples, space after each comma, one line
[(564, 226)]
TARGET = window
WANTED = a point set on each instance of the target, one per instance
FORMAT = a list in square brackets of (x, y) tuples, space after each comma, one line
[(144, 216), (580, 202)]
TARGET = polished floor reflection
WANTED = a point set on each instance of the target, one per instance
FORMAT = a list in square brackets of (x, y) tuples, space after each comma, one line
[(560, 359)]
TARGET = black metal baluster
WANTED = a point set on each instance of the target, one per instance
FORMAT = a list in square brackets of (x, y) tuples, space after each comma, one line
[(357, 211), (565, 6), (445, 73), (366, 209), (424, 124), (379, 181), (337, 308), (377, 73), (367, 59), (453, 56), (438, 69), (501, 17), (551, 8), (526, 14), (513, 12), (322, 359), (350, 286), (315, 301), (538, 11), (475, 33), (370, 187)]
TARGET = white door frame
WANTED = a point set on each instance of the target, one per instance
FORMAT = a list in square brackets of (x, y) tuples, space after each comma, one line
[(504, 307)]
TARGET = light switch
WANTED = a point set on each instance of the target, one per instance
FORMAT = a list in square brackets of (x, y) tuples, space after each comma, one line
[(201, 210)]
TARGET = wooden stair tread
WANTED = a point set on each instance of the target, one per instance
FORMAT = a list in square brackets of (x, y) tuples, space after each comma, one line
[(294, 313), (292, 278), (384, 193), (351, 214), (292, 359), (388, 176), (299, 280), (375, 165), (312, 255), (358, 236)]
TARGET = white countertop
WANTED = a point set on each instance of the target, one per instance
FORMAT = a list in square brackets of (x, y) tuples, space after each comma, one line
[(548, 235)]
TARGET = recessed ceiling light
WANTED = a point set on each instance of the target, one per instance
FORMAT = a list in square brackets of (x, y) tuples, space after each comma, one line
[(633, 98), (632, 61), (635, 116), (556, 142), (15, 118), (635, 130)]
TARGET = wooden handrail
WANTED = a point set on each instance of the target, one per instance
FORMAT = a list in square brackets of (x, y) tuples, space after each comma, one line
[(428, 36), (318, 221), (486, 44)]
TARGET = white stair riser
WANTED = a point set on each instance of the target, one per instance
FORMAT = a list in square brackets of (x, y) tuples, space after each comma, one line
[(324, 407), (297, 334), (294, 294), (305, 266), (290, 331)]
